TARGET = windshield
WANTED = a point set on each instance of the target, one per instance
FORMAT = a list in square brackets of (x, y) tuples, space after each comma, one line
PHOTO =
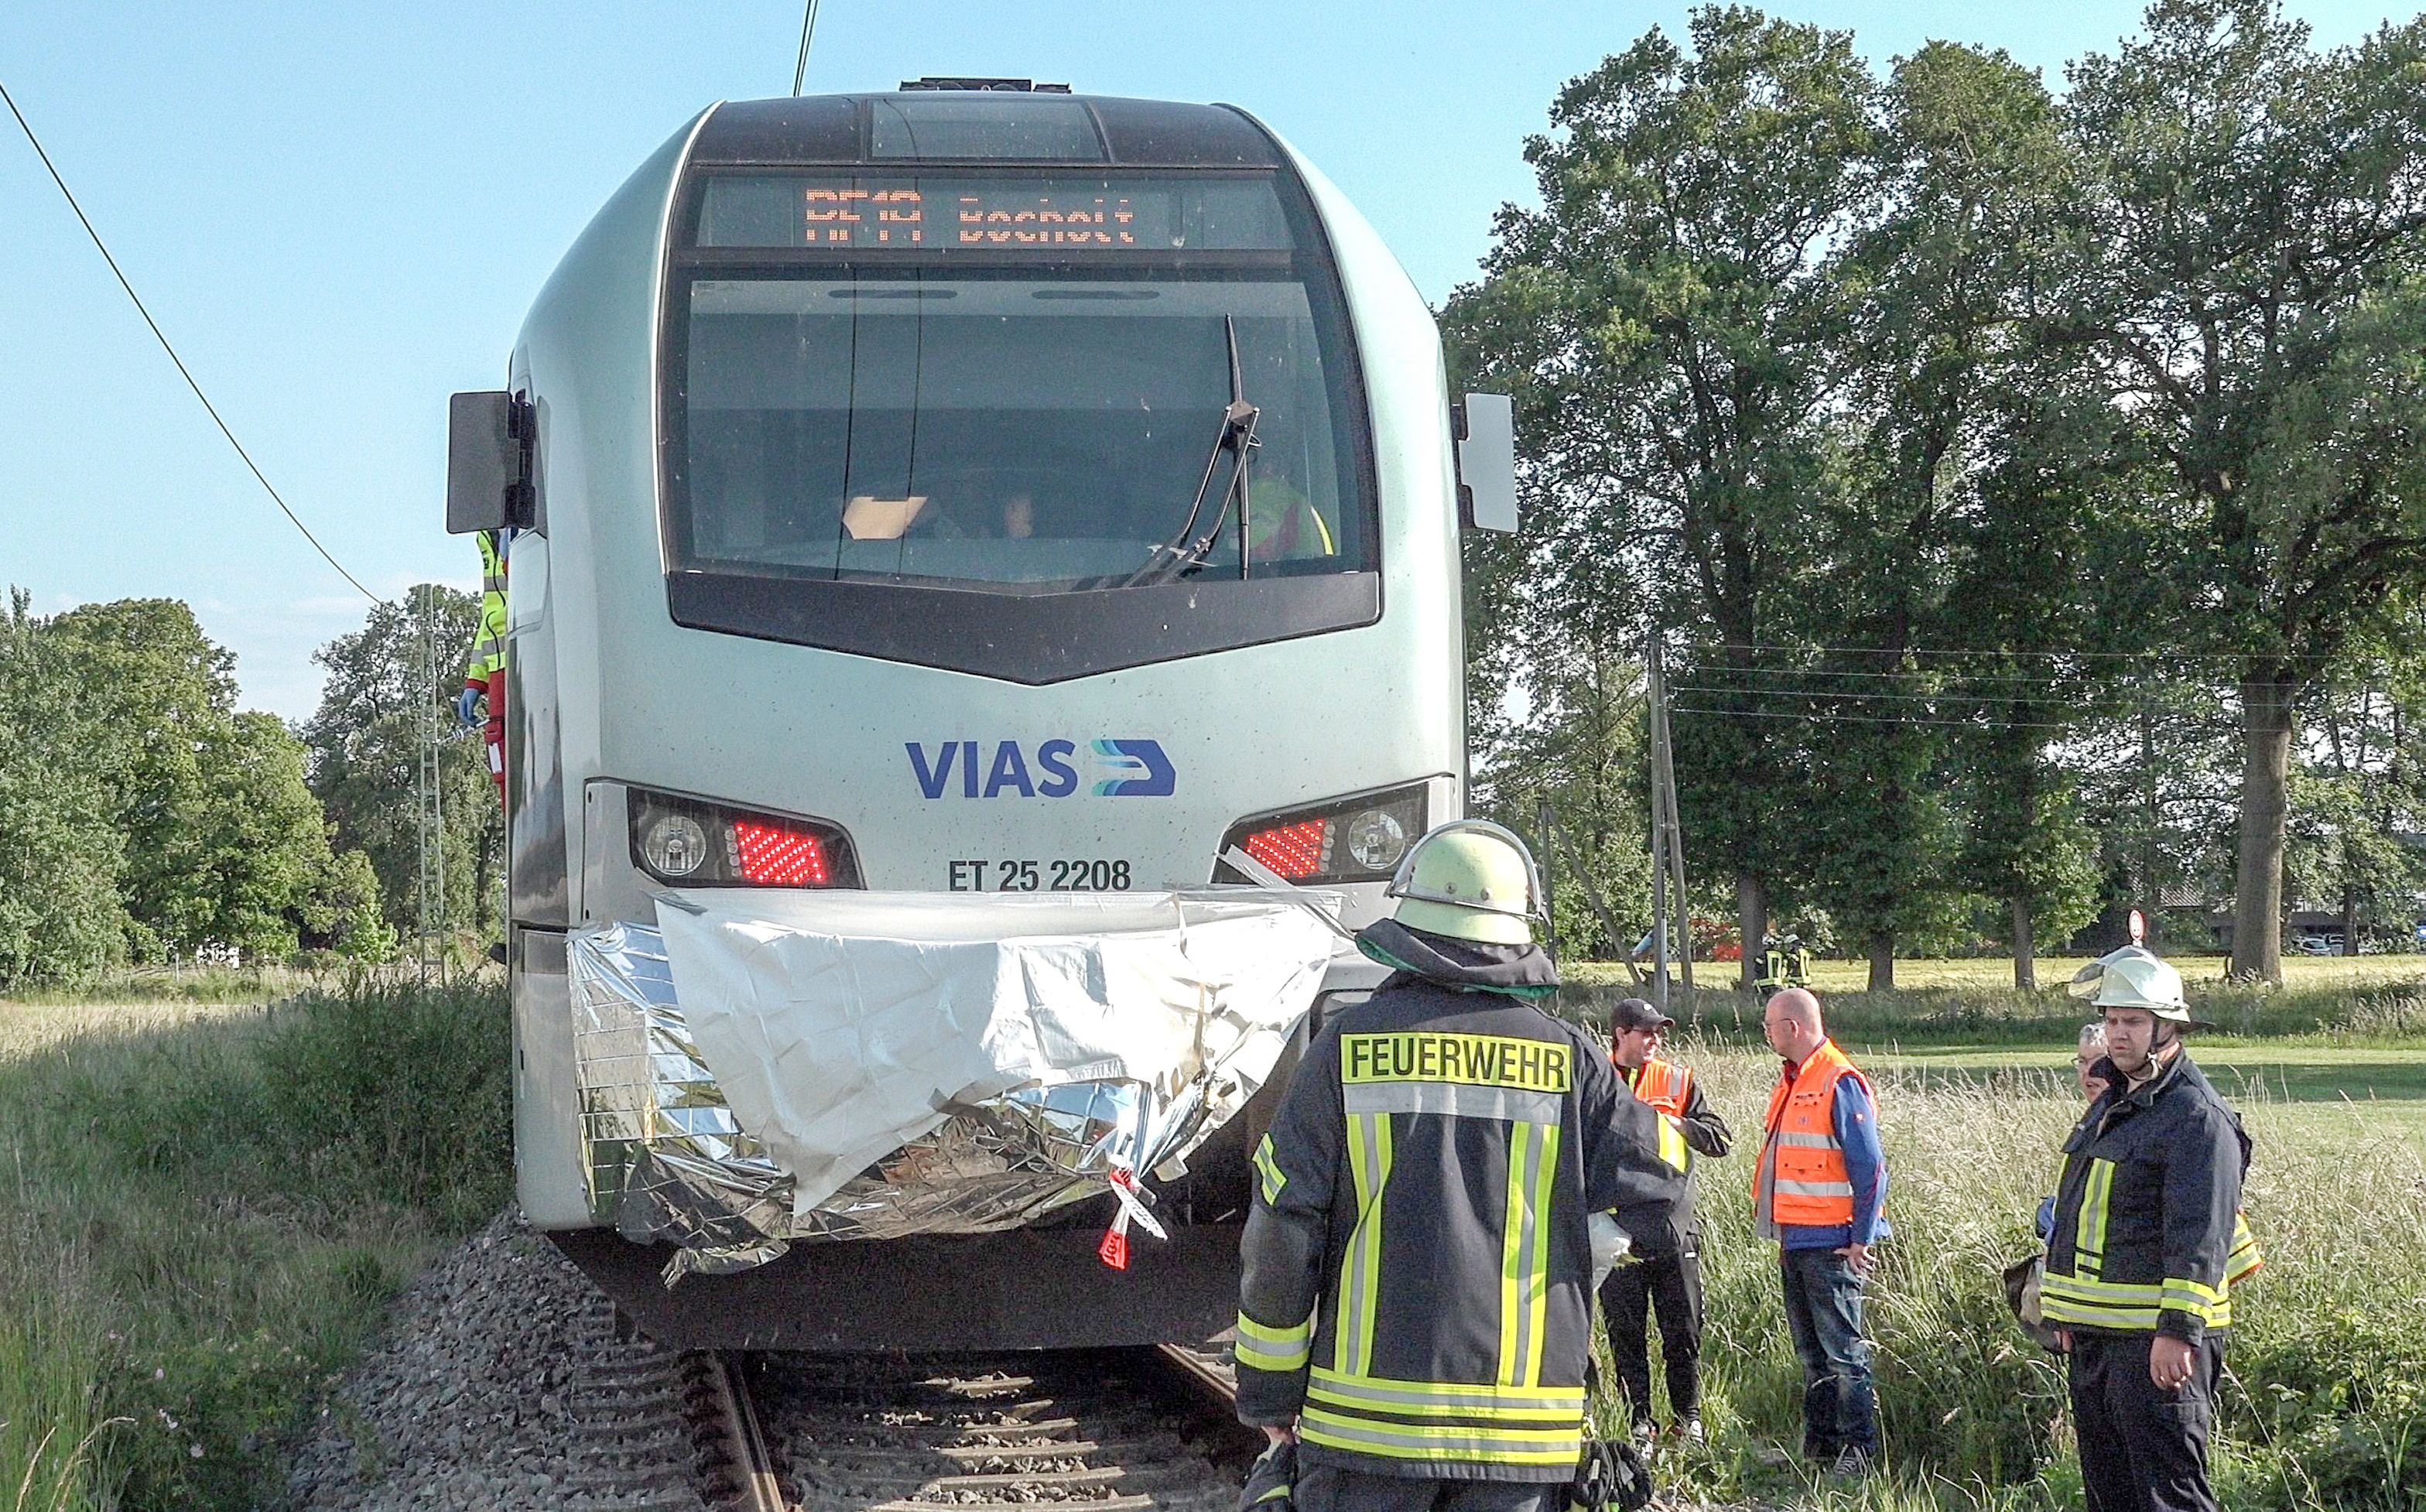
[(1037, 421)]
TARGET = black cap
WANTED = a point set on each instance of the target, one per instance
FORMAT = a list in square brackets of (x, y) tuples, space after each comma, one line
[(1634, 1013)]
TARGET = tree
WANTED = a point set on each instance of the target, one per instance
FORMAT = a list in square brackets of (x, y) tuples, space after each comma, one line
[(1663, 322), (1937, 284), (2253, 229), (161, 694), (364, 751), (223, 843), (60, 917)]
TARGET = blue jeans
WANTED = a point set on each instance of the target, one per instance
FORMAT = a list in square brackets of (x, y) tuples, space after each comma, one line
[(1823, 1312)]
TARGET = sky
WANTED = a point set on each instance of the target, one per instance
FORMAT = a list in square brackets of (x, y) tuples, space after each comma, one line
[(339, 213)]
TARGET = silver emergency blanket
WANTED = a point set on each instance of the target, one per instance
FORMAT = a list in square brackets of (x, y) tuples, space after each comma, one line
[(767, 1068)]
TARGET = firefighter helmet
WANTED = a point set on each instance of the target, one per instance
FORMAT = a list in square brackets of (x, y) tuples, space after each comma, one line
[(2133, 977), (1469, 880)]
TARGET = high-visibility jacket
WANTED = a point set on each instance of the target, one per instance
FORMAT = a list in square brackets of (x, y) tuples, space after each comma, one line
[(2148, 1232), (1801, 1158), (1418, 1259), (488, 650), (1665, 1086)]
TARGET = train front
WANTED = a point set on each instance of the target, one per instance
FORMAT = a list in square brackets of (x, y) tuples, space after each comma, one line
[(896, 652)]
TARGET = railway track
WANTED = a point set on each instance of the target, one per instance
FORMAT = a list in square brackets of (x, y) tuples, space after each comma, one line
[(1074, 1431)]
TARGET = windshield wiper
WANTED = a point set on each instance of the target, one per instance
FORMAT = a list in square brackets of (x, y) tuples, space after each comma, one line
[(1179, 554)]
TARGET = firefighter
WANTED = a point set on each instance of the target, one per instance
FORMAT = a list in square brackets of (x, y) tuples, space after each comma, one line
[(1416, 1305), (1666, 1274), (2144, 1249), (1820, 1192), (483, 703)]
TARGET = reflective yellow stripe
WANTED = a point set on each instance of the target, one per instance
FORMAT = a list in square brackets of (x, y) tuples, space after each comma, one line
[(2088, 1234), (1673, 1147), (1513, 1252), (1360, 1269), (1537, 1262), (2129, 1304), (2098, 1304), (1525, 1252), (1557, 1405), (1273, 1179), (2117, 1292), (1470, 1443), (1260, 1347), (2206, 1303), (2246, 1259), (1475, 1060)]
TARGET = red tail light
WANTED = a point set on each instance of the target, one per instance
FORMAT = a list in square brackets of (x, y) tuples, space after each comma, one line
[(772, 856), (691, 843), (1347, 840), (1293, 850)]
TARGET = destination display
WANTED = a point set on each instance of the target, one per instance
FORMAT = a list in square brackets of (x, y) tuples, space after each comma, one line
[(930, 213)]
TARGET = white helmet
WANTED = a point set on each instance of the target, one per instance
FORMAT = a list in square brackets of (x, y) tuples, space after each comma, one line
[(1469, 880), (2133, 977)]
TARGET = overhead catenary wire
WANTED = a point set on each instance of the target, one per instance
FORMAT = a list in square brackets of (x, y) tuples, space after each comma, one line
[(1879, 719), (2163, 654), (1866, 695), (165, 346), (808, 30)]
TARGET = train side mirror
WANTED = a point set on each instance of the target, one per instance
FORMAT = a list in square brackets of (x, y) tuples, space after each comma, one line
[(489, 438), (1486, 463)]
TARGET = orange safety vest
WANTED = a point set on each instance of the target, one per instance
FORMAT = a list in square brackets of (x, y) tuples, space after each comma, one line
[(1665, 1086), (1813, 1189)]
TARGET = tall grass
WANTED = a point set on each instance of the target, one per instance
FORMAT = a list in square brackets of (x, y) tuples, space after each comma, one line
[(2388, 1011), (2325, 1404), (201, 1211)]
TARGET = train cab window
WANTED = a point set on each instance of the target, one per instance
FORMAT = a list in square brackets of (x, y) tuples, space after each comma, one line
[(1007, 425), (1013, 385)]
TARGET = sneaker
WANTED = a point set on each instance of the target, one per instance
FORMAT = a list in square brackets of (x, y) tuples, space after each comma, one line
[(1691, 1431), (1646, 1438), (1850, 1464)]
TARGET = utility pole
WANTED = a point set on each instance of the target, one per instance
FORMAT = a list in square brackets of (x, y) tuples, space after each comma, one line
[(1667, 842), (1675, 843), (430, 813)]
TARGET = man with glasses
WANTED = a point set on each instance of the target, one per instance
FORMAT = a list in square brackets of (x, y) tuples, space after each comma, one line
[(1665, 1275)]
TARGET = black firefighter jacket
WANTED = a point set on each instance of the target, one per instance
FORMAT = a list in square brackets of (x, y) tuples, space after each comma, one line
[(1418, 1259), (2146, 1216)]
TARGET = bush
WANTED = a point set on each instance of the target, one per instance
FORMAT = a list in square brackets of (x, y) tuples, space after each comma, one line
[(213, 1206)]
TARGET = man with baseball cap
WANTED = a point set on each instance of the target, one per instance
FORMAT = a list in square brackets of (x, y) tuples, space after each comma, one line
[(2140, 1259), (1665, 1276)]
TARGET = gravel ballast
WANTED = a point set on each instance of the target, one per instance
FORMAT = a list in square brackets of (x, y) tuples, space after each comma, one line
[(472, 1400)]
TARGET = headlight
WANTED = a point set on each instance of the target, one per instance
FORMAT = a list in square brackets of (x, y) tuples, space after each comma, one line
[(1359, 838), (1377, 838), (698, 843), (674, 845)]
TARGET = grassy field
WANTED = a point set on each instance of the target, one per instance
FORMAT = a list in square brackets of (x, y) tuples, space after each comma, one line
[(2327, 1394), (1996, 973), (204, 1208)]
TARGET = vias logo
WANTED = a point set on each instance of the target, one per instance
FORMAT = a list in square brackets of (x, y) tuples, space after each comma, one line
[(1050, 769)]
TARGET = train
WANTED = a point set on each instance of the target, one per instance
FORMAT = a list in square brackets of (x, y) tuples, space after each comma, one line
[(973, 491)]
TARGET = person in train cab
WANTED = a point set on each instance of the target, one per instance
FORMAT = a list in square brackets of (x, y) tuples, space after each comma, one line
[(1665, 1274), (1415, 1304)]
